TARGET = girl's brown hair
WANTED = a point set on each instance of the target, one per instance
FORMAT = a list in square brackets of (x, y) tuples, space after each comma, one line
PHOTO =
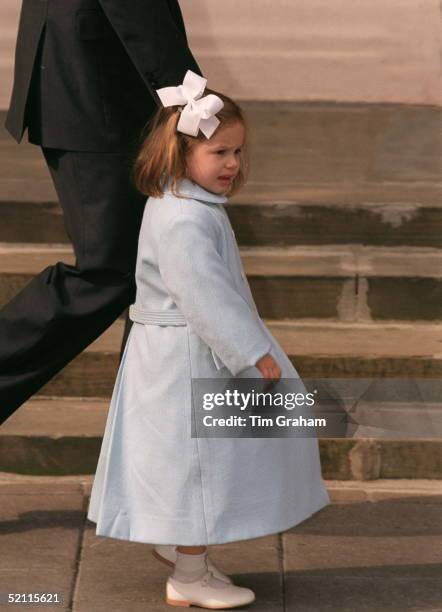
[(163, 151)]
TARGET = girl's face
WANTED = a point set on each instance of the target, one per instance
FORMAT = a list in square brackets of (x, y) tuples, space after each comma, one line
[(214, 163)]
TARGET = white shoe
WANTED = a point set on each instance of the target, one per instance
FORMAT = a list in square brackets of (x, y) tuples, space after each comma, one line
[(207, 592), (167, 554)]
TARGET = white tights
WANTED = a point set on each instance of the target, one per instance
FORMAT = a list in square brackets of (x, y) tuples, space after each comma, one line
[(189, 567)]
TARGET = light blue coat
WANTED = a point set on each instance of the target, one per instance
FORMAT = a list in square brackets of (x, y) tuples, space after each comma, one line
[(155, 483)]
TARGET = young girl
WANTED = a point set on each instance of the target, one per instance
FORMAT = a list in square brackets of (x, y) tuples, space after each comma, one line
[(194, 317)]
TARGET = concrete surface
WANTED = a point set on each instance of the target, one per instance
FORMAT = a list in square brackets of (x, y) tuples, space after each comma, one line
[(377, 548)]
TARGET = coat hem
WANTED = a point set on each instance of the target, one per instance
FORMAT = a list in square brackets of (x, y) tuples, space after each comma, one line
[(231, 536)]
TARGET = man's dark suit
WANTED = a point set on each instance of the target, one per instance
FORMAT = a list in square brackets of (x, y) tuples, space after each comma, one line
[(85, 78)]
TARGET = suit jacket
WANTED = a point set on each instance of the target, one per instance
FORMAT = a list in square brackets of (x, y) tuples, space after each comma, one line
[(86, 70)]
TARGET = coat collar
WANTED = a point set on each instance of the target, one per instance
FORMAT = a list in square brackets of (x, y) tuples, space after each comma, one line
[(189, 189)]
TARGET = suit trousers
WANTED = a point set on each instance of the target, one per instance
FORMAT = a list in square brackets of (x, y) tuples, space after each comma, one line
[(66, 307)]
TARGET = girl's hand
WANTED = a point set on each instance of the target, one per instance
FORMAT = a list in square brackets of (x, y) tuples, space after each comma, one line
[(269, 369)]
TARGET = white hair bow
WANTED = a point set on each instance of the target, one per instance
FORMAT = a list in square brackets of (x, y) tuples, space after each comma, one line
[(198, 113)]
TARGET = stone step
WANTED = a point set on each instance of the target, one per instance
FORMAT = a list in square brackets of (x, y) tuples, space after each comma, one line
[(317, 350), (64, 435), (309, 142), (349, 283), (378, 214), (390, 214), (321, 173)]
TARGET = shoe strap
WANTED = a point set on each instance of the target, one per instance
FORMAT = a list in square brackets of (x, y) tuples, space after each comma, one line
[(205, 579)]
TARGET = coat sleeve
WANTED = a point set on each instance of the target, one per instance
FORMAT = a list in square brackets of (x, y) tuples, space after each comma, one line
[(202, 286), (153, 34)]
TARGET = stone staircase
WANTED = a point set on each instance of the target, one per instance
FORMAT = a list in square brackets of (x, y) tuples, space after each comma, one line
[(340, 229)]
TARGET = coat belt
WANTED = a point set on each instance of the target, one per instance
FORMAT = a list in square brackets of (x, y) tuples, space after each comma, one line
[(155, 317), (164, 317)]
